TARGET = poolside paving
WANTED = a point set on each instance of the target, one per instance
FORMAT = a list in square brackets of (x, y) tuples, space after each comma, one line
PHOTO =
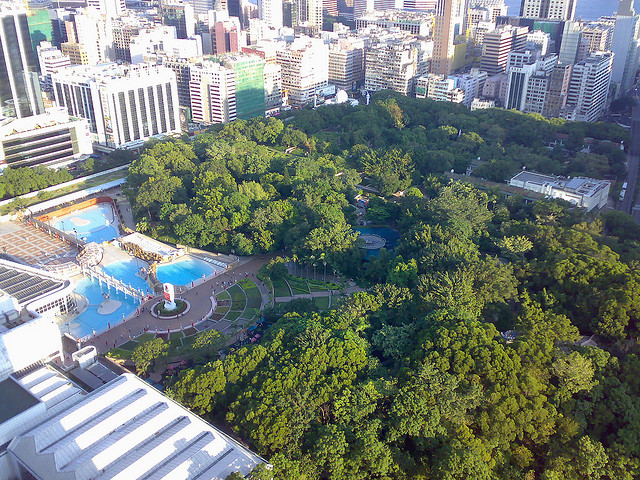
[(31, 244), (200, 299)]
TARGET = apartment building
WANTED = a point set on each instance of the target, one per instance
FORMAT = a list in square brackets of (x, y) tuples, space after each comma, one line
[(346, 64), (588, 88), (305, 69)]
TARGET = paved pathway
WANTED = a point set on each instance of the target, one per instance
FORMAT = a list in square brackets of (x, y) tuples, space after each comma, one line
[(326, 293), (199, 297)]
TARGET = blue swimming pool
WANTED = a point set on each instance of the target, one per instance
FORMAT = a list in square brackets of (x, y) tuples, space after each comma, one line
[(183, 272), (127, 272), (93, 224), (91, 320), (389, 234)]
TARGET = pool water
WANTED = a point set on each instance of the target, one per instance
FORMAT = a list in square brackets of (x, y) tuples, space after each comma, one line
[(126, 271), (90, 320), (183, 272), (389, 234), (93, 224)]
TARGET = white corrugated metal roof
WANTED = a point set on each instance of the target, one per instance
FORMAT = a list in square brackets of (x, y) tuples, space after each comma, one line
[(127, 430)]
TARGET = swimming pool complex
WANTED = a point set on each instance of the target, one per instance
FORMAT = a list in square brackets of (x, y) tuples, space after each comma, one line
[(93, 319), (97, 223), (184, 271)]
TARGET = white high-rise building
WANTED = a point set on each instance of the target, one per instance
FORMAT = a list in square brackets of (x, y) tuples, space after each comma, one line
[(213, 93), (51, 60), (549, 9), (109, 8), (528, 82), (270, 12), (305, 69), (571, 40), (272, 88), (308, 13), (125, 105), (626, 48), (471, 84), (588, 88)]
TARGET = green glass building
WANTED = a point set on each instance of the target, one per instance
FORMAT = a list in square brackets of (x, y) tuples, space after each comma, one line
[(40, 29), (249, 79)]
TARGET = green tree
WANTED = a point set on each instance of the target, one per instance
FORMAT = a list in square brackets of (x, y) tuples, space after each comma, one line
[(145, 355)]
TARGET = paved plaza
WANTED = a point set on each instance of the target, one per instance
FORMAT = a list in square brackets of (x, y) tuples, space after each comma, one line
[(32, 245)]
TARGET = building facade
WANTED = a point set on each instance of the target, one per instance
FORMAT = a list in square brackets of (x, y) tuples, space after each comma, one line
[(125, 105), (305, 69), (588, 89), (20, 94)]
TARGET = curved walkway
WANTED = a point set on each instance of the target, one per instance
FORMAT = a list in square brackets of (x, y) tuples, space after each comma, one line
[(200, 299)]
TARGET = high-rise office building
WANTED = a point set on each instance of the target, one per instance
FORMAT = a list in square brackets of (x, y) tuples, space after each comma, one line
[(213, 95), (51, 60), (305, 68), (598, 37), (449, 24), (248, 73), (179, 15), (498, 44), (626, 48), (270, 12), (308, 13), (571, 41), (125, 105), (548, 9), (272, 88), (109, 8), (201, 7), (20, 94), (588, 88)]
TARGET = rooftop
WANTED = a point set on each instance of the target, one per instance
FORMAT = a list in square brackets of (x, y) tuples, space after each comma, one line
[(127, 429), (14, 399)]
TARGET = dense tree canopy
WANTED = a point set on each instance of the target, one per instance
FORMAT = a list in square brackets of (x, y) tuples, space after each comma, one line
[(412, 378)]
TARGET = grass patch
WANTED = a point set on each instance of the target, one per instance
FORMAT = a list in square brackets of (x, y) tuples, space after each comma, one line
[(189, 331), (223, 295), (224, 309), (317, 288), (321, 302), (145, 337), (298, 285), (130, 345), (250, 312), (232, 315), (280, 288), (188, 341), (175, 335), (119, 354)]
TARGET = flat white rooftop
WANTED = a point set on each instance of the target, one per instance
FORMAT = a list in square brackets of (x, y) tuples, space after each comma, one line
[(127, 430)]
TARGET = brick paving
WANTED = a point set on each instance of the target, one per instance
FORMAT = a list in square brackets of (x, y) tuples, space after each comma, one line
[(32, 245)]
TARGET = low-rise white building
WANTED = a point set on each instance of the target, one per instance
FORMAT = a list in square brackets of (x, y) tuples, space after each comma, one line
[(49, 138), (583, 192)]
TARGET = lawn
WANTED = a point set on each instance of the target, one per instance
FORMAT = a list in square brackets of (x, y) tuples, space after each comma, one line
[(321, 302), (317, 288), (223, 309), (281, 289), (298, 285), (222, 295), (145, 337), (119, 353), (232, 315), (130, 345)]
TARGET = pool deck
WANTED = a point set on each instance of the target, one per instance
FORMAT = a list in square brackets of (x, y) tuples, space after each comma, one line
[(199, 298), (32, 245)]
